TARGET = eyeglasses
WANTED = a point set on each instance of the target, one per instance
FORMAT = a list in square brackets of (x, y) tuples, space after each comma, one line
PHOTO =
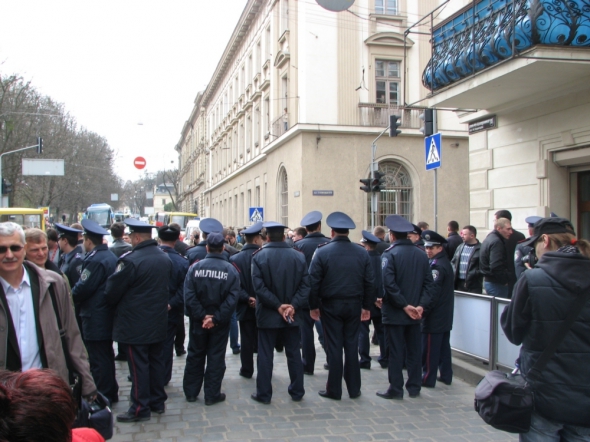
[(13, 248)]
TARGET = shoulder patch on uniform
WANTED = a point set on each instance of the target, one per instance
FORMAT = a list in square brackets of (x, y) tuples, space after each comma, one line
[(435, 274), (91, 254), (389, 248), (384, 262), (85, 275), (119, 267), (323, 244), (78, 255), (125, 254), (257, 251), (79, 269)]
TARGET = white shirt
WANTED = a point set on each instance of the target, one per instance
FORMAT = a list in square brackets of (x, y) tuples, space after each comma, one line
[(20, 302)]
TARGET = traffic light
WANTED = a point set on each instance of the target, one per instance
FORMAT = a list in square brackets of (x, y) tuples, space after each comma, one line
[(367, 185), (378, 182), (394, 123), (429, 118), (39, 145), (6, 186)]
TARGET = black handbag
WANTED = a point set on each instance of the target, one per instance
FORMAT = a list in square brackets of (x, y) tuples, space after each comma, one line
[(506, 400), (98, 414)]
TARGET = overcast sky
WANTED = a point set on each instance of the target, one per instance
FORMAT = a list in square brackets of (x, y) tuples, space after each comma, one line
[(117, 63)]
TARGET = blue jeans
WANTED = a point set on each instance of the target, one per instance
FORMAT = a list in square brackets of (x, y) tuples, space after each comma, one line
[(544, 430), (233, 333), (497, 290)]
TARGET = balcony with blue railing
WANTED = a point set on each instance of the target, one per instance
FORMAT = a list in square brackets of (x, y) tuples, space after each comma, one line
[(491, 32)]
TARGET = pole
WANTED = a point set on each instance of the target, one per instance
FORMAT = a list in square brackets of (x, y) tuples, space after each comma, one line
[(373, 169), (435, 200)]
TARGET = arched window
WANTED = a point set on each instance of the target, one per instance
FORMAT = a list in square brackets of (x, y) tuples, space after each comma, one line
[(283, 194), (396, 198)]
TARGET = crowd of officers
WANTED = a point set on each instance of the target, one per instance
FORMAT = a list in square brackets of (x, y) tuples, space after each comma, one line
[(279, 290)]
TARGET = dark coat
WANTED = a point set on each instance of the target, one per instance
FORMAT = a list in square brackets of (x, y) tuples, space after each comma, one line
[(407, 280), (541, 301), (473, 277), (520, 252), (279, 276), (243, 262), (199, 252), (176, 283), (139, 289), (375, 258), (511, 243), (341, 270), (438, 318), (181, 247), (71, 265), (308, 245), (119, 247), (454, 240), (89, 292), (493, 259), (212, 287)]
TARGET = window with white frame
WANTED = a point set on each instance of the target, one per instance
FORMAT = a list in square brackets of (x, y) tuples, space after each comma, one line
[(283, 194), (386, 7), (387, 81)]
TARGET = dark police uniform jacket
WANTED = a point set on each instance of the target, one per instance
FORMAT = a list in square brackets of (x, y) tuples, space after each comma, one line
[(139, 289), (243, 263), (280, 276), (341, 270), (72, 265), (407, 280), (308, 245), (211, 287), (439, 317), (198, 252), (176, 283), (96, 314), (375, 258)]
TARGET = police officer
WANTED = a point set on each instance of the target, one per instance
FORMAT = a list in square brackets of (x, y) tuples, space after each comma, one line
[(281, 283), (415, 236), (199, 251), (313, 225), (523, 251), (342, 290), (139, 290), (369, 242), (97, 316), (438, 319), (168, 237), (246, 308), (70, 260), (407, 288), (211, 291)]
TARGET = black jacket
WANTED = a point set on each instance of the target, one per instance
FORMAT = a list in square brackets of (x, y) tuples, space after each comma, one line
[(520, 252), (198, 252), (473, 277), (71, 264), (375, 258), (139, 289), (341, 270), (176, 283), (511, 243), (243, 262), (280, 276), (181, 247), (97, 316), (212, 287), (453, 241), (119, 247), (541, 301), (493, 259), (438, 318), (308, 245), (407, 280)]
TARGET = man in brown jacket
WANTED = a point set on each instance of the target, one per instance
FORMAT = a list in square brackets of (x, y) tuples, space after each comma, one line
[(29, 335)]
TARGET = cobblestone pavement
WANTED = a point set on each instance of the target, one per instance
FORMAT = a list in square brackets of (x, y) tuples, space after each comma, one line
[(444, 413)]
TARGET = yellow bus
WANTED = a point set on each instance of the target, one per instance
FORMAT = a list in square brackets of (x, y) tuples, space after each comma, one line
[(23, 216)]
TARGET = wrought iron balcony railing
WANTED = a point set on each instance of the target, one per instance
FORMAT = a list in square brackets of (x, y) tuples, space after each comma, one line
[(495, 30)]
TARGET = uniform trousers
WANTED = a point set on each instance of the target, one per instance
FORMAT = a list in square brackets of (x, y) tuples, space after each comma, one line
[(249, 339), (267, 338), (365, 344), (436, 354), (205, 345), (180, 333), (146, 368), (233, 333), (397, 339), (102, 366), (341, 321), (168, 349), (308, 353)]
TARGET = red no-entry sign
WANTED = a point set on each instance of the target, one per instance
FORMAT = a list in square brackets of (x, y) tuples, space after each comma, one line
[(139, 162)]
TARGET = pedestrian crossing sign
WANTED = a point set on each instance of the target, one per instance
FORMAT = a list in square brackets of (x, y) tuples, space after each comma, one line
[(256, 214), (432, 147)]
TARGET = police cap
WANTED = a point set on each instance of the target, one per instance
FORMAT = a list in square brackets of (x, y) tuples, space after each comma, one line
[(531, 220), (431, 238), (311, 218), (209, 225), (340, 220), (397, 223), (168, 233), (416, 230), (67, 231), (215, 240), (254, 229), (137, 226), (93, 228), (547, 226), (369, 237)]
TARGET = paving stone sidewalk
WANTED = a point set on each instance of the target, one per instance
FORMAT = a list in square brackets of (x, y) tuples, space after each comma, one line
[(444, 413)]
